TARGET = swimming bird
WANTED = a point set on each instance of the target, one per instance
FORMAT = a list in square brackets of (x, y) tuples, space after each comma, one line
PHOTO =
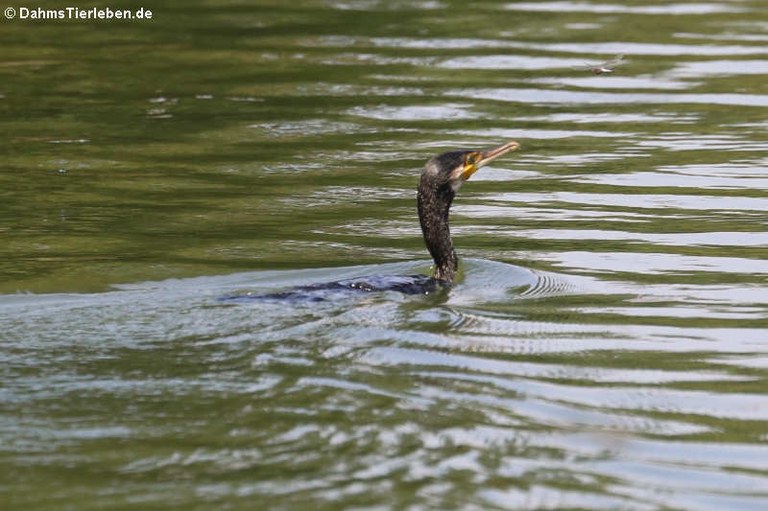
[(440, 180), (604, 67), (442, 177)]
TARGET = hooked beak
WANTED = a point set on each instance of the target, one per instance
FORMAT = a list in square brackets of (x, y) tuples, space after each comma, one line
[(489, 155)]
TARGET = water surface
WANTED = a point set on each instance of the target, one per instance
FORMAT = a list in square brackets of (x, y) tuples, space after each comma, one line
[(605, 347)]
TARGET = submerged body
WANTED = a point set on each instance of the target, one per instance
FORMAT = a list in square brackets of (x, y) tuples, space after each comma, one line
[(405, 284), (440, 180)]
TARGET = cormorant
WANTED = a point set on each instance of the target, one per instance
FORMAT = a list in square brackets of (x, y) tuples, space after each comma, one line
[(440, 180)]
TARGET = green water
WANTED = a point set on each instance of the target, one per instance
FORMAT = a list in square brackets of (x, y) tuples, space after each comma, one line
[(606, 345)]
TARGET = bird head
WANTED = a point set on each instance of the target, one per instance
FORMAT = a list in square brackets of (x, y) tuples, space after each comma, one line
[(453, 168)]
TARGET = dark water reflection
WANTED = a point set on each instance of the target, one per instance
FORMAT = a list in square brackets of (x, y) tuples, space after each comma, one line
[(606, 346)]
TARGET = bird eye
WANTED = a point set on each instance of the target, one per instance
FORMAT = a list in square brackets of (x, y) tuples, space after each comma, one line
[(471, 159)]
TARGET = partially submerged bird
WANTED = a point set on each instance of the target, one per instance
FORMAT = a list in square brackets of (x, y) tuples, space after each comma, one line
[(604, 67), (440, 180)]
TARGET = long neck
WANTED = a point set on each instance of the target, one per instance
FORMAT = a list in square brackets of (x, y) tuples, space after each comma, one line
[(434, 204)]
